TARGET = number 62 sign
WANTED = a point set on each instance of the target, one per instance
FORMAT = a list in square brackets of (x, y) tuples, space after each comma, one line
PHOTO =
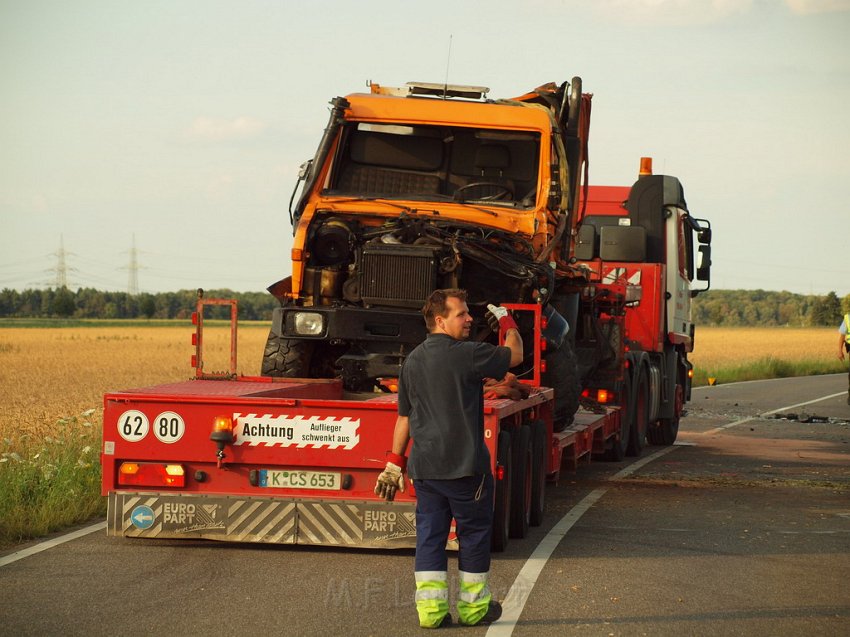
[(168, 426)]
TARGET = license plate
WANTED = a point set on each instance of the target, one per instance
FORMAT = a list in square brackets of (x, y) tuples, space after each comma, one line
[(290, 479)]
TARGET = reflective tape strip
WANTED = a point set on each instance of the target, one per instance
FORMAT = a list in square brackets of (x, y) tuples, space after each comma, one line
[(471, 597), (473, 578), (431, 576), (431, 593)]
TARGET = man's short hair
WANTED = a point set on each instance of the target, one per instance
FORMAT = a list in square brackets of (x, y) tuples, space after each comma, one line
[(436, 305)]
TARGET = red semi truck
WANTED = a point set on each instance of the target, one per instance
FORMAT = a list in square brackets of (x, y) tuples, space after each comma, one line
[(413, 189)]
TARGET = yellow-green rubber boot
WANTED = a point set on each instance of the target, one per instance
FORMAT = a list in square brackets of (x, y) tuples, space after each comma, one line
[(432, 597), (473, 597)]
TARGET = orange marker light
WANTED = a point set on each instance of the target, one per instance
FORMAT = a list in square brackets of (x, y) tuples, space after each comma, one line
[(223, 424), (690, 373), (602, 396), (129, 468)]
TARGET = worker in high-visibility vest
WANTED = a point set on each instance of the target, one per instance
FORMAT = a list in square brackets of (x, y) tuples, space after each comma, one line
[(844, 346), (441, 407)]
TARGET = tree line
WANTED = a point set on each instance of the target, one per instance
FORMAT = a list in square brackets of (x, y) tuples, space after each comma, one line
[(715, 307), (88, 303), (770, 309)]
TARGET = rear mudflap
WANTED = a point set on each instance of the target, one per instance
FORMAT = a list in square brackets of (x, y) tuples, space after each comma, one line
[(361, 523)]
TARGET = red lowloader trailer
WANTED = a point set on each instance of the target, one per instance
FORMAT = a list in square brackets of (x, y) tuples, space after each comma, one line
[(414, 189)]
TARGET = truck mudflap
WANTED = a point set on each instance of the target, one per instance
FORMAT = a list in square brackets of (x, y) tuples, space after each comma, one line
[(353, 523)]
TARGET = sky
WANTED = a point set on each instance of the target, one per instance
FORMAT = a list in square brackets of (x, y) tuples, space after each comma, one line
[(178, 126)]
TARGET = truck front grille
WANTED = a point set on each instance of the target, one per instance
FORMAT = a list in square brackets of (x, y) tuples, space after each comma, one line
[(397, 276)]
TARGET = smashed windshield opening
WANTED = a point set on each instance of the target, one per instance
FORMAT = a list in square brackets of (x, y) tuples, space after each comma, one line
[(436, 163)]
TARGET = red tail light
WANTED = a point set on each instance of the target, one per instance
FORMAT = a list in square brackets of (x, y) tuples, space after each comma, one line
[(500, 472), (151, 474)]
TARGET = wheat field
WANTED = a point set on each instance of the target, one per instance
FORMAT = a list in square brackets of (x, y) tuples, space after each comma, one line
[(724, 347), (47, 374), (52, 373)]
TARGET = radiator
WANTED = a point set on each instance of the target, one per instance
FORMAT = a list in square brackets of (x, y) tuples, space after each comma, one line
[(397, 275)]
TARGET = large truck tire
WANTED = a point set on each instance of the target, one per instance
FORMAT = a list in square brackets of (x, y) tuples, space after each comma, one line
[(540, 458), (286, 357), (502, 502), (639, 415), (521, 468), (562, 375), (620, 443), (664, 433)]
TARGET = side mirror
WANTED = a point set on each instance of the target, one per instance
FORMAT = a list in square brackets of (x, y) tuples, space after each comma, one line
[(704, 267), (704, 236), (303, 174), (304, 170)]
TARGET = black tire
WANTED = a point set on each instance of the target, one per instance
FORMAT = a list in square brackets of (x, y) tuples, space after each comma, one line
[(620, 443), (521, 470), (540, 457), (287, 357), (502, 500), (667, 429), (562, 375), (640, 415)]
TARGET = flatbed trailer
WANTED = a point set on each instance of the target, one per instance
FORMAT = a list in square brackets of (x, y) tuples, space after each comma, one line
[(302, 459)]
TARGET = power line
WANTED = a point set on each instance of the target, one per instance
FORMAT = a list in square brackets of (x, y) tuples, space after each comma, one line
[(133, 282), (61, 269)]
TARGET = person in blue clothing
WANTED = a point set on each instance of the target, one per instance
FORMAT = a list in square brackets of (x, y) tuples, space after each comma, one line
[(441, 407), (844, 346)]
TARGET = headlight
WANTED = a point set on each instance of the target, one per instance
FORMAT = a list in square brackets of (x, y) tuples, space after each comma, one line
[(308, 323)]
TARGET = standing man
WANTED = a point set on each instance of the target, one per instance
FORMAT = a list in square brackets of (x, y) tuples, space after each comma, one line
[(844, 345), (441, 406)]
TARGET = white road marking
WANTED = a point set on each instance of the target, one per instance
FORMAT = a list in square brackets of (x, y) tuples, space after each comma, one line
[(770, 413), (522, 586), (43, 546)]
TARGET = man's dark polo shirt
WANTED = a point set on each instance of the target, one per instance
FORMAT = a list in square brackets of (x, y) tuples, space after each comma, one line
[(440, 390)]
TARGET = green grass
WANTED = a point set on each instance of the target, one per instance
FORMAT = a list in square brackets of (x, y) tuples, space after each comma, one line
[(768, 367), (51, 483)]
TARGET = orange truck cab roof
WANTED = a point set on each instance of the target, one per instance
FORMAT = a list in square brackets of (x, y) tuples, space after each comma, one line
[(503, 114)]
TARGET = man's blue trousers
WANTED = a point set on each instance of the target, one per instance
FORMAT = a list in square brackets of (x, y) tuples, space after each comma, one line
[(469, 501)]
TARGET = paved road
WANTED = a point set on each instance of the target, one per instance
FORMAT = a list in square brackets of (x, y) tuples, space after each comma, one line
[(741, 530)]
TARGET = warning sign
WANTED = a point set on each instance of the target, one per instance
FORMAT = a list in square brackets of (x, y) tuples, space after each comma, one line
[(296, 431)]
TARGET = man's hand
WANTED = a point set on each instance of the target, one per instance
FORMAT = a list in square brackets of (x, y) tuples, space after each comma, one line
[(499, 318), (390, 481)]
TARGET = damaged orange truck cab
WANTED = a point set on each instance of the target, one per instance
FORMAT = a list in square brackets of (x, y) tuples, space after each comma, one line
[(413, 189)]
